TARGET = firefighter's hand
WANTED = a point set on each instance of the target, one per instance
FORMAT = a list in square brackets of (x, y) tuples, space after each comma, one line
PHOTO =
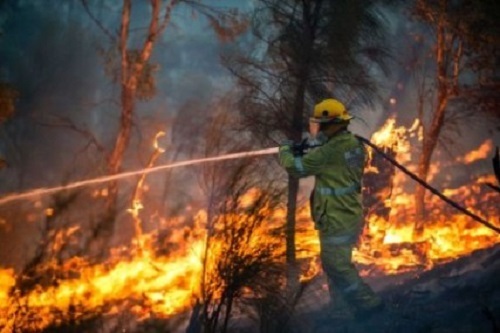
[(296, 148), (300, 148)]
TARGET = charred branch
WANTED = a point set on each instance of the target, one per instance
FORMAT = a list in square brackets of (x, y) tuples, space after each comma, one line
[(97, 21), (36, 271), (377, 186), (65, 122), (433, 190)]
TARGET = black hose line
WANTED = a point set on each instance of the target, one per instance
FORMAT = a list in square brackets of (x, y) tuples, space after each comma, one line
[(427, 186)]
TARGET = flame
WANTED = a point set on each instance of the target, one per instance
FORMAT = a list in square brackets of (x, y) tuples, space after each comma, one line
[(485, 150), (7, 280), (148, 282), (388, 245), (156, 145), (165, 284)]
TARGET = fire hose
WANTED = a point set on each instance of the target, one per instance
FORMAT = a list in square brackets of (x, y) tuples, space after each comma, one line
[(427, 185), (301, 147), (298, 147)]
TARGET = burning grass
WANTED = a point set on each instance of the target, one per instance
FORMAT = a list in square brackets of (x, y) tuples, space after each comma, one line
[(154, 280)]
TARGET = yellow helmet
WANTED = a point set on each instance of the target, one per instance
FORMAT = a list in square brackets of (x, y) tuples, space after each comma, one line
[(330, 110)]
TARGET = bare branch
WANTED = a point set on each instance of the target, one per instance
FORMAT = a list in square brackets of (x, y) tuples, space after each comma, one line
[(64, 122), (125, 23), (150, 39), (167, 16), (98, 22)]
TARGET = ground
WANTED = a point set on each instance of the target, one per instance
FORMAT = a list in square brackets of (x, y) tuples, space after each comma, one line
[(462, 296)]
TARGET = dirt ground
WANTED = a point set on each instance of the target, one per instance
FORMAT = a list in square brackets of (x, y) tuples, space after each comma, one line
[(458, 297)]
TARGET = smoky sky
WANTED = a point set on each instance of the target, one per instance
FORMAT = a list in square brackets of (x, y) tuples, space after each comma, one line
[(68, 110), (52, 53)]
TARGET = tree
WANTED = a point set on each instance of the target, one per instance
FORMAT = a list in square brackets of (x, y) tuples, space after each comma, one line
[(239, 199), (464, 60), (247, 262), (134, 73), (136, 81), (308, 50)]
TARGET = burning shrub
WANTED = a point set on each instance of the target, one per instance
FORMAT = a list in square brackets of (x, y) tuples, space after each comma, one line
[(242, 260)]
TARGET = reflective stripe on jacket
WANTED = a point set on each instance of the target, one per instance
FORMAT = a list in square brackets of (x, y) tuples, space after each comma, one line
[(337, 165)]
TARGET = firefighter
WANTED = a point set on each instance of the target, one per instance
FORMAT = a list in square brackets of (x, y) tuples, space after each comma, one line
[(337, 166)]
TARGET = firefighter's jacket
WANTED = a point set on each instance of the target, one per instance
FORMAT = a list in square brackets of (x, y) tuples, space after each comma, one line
[(337, 166)]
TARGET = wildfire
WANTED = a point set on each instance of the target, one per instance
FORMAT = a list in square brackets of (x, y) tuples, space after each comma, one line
[(149, 282), (482, 152), (164, 285), (389, 245)]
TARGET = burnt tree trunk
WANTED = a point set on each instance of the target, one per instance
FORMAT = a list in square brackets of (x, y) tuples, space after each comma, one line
[(291, 208), (116, 157), (293, 189), (378, 185), (429, 144), (302, 74), (432, 132)]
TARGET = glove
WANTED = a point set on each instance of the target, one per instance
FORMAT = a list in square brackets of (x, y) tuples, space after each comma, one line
[(298, 149)]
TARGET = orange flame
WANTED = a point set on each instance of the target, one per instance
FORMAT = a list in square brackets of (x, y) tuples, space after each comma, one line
[(485, 150), (169, 283)]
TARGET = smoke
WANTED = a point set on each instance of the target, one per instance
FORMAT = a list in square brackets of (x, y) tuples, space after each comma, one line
[(68, 110)]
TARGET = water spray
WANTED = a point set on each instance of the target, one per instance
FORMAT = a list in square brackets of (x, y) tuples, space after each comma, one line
[(104, 179), (267, 151)]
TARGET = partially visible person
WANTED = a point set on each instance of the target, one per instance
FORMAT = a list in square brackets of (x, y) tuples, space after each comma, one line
[(337, 165)]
